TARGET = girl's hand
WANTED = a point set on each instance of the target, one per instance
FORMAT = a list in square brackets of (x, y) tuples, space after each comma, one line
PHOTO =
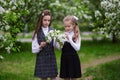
[(42, 44), (67, 36)]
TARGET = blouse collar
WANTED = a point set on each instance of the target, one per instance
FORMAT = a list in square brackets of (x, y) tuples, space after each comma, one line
[(45, 28), (71, 33)]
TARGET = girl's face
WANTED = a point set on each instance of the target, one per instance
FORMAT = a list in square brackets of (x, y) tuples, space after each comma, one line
[(68, 26), (46, 21)]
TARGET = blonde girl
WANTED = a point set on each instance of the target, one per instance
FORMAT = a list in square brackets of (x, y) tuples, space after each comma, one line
[(70, 68)]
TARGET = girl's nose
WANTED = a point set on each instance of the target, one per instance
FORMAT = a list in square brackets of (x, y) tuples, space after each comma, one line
[(47, 22)]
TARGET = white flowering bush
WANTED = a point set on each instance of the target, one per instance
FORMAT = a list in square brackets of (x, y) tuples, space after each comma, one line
[(57, 35), (11, 23), (1, 57), (110, 18)]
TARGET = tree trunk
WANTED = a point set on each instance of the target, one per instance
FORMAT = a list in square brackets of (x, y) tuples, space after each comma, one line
[(114, 39), (26, 29)]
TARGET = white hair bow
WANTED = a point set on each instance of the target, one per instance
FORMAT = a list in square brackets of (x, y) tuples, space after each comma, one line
[(76, 18)]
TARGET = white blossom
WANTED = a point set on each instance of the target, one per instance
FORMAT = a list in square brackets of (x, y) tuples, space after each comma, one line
[(119, 4), (118, 22), (48, 38), (7, 27), (85, 2), (4, 39), (14, 7), (11, 44), (112, 22), (13, 2), (97, 13), (61, 37), (3, 1), (1, 57), (8, 49), (7, 11), (2, 10), (55, 34), (110, 15), (103, 4), (87, 16), (115, 1)]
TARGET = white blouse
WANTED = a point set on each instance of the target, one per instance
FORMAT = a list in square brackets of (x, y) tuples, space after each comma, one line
[(45, 30), (76, 45), (35, 45)]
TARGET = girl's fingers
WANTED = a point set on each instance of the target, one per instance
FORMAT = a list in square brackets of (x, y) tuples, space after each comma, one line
[(43, 44), (67, 36)]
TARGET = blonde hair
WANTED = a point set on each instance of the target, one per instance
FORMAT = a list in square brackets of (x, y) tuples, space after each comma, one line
[(74, 21)]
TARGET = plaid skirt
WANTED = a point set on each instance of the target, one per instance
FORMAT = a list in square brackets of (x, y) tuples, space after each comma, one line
[(46, 65)]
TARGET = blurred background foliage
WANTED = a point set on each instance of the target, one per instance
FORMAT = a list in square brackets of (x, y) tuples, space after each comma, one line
[(20, 16)]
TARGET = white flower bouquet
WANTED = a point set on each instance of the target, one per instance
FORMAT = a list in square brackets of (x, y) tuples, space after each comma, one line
[(57, 35)]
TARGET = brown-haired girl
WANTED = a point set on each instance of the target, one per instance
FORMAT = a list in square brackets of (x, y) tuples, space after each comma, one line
[(70, 68), (46, 66)]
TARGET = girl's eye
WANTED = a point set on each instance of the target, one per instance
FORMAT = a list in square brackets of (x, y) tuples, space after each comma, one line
[(44, 19), (67, 26)]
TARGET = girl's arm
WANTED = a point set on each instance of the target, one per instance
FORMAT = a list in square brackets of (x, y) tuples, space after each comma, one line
[(76, 45), (35, 46)]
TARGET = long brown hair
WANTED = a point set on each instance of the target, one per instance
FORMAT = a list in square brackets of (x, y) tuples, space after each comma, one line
[(39, 21), (74, 22)]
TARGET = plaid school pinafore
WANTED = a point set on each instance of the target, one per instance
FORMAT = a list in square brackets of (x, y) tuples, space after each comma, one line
[(46, 65)]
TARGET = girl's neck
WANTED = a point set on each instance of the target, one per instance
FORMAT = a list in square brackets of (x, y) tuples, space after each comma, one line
[(71, 32), (44, 27)]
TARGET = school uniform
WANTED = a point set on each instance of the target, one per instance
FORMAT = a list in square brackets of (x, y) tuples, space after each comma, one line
[(46, 65), (70, 62)]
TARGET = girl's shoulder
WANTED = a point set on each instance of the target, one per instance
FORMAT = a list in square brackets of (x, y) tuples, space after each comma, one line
[(51, 28)]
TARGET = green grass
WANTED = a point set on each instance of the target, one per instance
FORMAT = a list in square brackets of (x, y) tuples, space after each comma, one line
[(91, 50), (107, 71), (17, 66), (20, 66)]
